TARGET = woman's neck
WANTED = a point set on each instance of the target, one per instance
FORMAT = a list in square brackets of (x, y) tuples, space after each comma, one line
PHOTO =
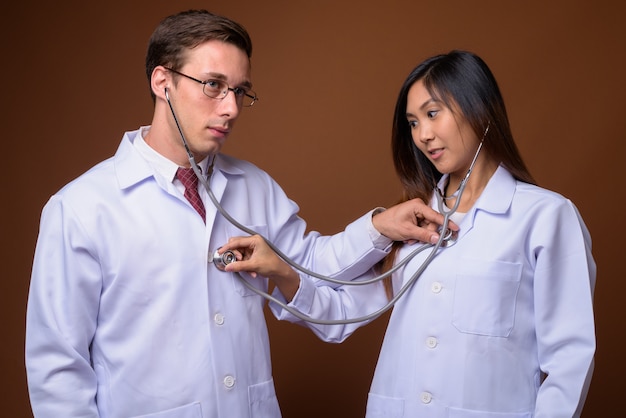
[(478, 179)]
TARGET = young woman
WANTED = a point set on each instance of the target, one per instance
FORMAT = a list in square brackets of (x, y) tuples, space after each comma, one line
[(500, 324)]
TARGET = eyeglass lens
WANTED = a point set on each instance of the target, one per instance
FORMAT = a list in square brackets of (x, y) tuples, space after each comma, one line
[(218, 89)]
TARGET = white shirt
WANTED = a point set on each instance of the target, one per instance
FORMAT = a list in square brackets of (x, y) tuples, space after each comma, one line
[(500, 324), (127, 315)]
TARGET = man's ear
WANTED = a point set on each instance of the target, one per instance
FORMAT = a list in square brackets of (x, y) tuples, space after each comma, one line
[(160, 81)]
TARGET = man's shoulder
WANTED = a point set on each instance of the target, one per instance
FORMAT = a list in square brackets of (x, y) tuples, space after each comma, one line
[(90, 182), (233, 165)]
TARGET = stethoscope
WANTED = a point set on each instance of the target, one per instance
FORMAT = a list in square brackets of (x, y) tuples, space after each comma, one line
[(446, 239)]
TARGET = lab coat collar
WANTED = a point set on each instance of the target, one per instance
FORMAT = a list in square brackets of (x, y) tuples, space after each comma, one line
[(496, 198), (226, 164), (131, 168), (498, 195)]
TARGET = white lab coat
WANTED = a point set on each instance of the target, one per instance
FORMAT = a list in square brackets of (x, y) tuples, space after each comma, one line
[(127, 316), (500, 325)]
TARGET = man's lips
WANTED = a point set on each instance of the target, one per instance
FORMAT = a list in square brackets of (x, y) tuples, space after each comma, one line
[(219, 130)]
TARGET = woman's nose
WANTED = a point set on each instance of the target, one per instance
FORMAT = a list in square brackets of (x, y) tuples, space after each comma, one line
[(424, 133)]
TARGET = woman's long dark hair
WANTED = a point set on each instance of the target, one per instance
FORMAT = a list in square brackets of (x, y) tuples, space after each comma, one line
[(464, 83)]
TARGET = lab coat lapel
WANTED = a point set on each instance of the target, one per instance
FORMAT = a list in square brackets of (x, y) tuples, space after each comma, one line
[(219, 180), (218, 183)]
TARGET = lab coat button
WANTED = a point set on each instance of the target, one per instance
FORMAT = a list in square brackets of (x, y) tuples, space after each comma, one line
[(219, 319), (229, 381), (431, 342), (436, 287), (426, 397)]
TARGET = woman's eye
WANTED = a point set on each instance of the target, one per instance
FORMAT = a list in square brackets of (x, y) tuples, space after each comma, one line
[(413, 123), (432, 113)]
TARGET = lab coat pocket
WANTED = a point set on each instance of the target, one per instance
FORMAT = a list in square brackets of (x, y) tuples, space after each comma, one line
[(384, 407), (192, 410), (485, 296), (263, 401), (466, 413), (258, 282)]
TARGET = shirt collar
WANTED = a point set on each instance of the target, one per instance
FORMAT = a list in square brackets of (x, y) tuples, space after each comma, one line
[(161, 165), (133, 165)]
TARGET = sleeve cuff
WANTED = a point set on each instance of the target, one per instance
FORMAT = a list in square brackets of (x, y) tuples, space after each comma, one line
[(380, 241), (301, 302)]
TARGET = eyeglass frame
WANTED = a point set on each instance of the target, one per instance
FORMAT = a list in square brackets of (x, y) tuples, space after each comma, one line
[(249, 93)]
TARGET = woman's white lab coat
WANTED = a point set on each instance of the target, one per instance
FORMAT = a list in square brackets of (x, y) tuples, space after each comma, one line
[(127, 315), (500, 325)]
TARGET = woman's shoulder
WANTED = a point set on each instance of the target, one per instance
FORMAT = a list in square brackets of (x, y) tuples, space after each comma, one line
[(532, 191), (543, 202)]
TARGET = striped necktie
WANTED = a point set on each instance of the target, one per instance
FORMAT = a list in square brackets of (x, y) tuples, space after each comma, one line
[(189, 179)]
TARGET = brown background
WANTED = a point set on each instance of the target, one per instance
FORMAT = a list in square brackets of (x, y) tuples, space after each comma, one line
[(327, 74)]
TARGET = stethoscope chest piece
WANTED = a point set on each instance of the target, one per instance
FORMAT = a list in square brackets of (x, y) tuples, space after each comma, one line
[(221, 260), (450, 239)]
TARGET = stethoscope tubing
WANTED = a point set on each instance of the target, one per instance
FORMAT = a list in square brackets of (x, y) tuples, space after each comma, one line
[(444, 235)]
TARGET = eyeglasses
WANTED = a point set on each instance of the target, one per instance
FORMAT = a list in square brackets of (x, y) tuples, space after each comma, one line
[(218, 89)]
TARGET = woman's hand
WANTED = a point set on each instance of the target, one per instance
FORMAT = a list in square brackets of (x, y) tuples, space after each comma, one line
[(411, 221), (254, 257)]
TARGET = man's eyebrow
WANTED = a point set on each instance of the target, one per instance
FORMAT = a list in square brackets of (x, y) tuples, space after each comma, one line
[(219, 76)]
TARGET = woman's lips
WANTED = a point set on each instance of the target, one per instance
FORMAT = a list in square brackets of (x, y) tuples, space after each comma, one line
[(435, 153)]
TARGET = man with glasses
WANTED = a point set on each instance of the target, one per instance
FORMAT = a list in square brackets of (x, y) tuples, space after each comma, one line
[(127, 314)]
